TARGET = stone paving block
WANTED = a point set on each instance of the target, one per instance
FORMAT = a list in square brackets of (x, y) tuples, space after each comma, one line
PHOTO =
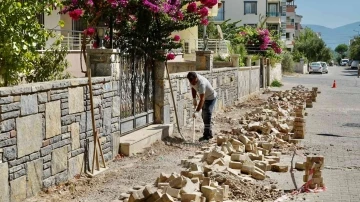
[(18, 189), (34, 177), (53, 119), (76, 98), (29, 134), (59, 160)]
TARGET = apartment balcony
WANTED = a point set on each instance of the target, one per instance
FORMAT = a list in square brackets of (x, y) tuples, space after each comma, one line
[(274, 1), (291, 8), (273, 17), (290, 25)]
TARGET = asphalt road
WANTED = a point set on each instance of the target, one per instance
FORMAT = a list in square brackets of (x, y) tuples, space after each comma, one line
[(333, 130)]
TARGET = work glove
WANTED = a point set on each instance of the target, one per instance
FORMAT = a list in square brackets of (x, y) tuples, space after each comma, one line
[(195, 103), (196, 114)]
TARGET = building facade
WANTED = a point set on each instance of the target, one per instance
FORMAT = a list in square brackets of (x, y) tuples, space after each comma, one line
[(280, 16)]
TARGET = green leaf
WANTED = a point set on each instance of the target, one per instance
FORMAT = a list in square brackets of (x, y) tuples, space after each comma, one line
[(61, 23)]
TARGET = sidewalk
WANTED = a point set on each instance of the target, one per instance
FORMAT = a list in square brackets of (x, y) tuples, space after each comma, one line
[(333, 130)]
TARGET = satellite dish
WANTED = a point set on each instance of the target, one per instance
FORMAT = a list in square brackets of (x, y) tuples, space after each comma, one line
[(220, 32)]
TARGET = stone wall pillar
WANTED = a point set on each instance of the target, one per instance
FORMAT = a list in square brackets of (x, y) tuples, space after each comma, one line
[(204, 60), (248, 61), (161, 107), (235, 60), (104, 62)]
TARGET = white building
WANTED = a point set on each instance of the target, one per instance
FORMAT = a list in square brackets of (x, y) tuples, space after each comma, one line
[(253, 12)]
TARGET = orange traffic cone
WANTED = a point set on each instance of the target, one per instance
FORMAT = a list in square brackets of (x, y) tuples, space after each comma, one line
[(334, 84)]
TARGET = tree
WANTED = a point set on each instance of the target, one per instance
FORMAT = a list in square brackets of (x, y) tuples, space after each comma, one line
[(142, 27), (312, 47), (354, 51), (21, 36), (342, 49)]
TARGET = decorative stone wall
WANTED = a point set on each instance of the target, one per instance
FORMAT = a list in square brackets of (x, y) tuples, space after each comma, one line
[(43, 132), (231, 84)]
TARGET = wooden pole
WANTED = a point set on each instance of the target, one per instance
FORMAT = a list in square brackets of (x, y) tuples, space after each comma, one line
[(173, 99)]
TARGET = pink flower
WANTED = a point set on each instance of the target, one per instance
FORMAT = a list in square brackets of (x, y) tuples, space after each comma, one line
[(89, 31), (180, 15), (192, 7), (90, 3), (76, 14), (204, 1), (176, 38), (211, 3), (203, 12), (205, 21), (106, 38), (74, 2), (170, 56), (95, 45)]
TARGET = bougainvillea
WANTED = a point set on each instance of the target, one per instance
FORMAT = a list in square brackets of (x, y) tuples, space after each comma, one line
[(144, 25), (259, 39)]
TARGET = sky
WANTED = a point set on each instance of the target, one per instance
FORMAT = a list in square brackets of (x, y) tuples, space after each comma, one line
[(328, 13)]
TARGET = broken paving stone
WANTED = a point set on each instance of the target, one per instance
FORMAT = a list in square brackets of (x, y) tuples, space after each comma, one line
[(235, 165), (209, 192), (279, 167), (164, 177), (220, 140), (300, 165), (136, 196), (124, 196), (172, 192), (219, 162), (154, 197), (148, 191), (245, 140), (258, 174), (217, 153), (193, 197), (166, 198), (189, 187), (267, 145), (206, 181), (178, 182)]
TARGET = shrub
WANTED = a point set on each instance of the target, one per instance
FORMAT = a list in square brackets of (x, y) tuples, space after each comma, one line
[(287, 63), (276, 83)]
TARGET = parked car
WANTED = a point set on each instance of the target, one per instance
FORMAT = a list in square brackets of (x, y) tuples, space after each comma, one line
[(355, 64), (325, 68), (349, 63), (315, 67), (344, 62)]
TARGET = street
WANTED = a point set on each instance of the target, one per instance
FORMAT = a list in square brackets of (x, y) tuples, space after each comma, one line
[(333, 130)]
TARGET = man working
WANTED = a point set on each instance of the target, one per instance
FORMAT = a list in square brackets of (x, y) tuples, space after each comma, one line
[(201, 85)]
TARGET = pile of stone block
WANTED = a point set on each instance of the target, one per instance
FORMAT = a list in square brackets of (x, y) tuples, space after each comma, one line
[(313, 172), (188, 186)]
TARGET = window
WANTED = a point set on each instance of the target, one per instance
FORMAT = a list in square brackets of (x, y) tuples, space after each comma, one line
[(287, 35), (250, 7), (273, 10), (221, 13)]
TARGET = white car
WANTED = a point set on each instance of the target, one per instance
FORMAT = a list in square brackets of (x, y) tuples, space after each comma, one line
[(325, 67), (315, 67), (344, 62)]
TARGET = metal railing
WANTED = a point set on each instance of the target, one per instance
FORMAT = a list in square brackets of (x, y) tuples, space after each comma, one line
[(71, 39), (215, 45), (273, 14)]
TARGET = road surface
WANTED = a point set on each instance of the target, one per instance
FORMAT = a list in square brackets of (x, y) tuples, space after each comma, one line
[(333, 130)]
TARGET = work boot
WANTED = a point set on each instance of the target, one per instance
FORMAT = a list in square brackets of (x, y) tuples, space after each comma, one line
[(203, 139)]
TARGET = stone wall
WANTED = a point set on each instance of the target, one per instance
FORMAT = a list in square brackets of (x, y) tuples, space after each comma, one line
[(231, 84), (301, 68), (276, 73), (44, 128)]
